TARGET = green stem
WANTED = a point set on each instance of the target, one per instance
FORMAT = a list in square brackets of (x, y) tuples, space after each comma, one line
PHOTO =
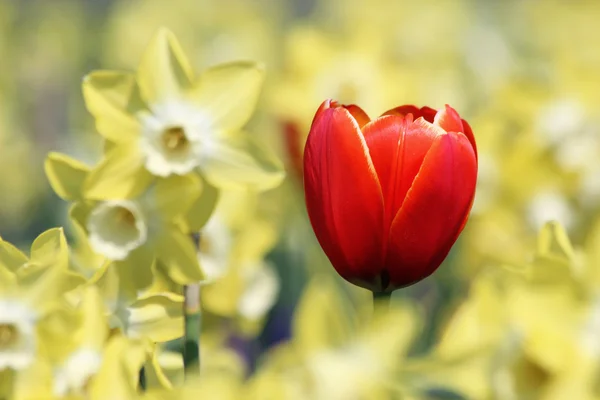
[(380, 297), (193, 325), (192, 312)]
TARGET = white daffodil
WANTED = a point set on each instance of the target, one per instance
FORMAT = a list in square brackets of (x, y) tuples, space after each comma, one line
[(260, 292), (116, 228), (17, 335), (215, 248), (76, 372), (175, 138)]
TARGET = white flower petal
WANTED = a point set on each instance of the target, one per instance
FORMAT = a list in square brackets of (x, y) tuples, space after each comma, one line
[(77, 371), (262, 289), (215, 247), (17, 335), (116, 228), (173, 136)]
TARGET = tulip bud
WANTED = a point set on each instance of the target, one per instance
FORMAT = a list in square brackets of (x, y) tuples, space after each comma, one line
[(387, 198)]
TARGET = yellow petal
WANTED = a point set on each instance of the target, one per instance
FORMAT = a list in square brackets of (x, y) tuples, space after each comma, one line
[(158, 317), (164, 71), (50, 247), (228, 93), (94, 326), (321, 317), (120, 175), (66, 175), (176, 194), (178, 254), (135, 272), (202, 208), (242, 164), (113, 99), (11, 258), (118, 375)]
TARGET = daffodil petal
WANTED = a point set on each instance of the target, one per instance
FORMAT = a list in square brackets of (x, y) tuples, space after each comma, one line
[(113, 99), (119, 373), (11, 258), (135, 272), (228, 93), (157, 317), (164, 71), (120, 175), (242, 164), (176, 194), (202, 208), (50, 247), (178, 254), (321, 319), (66, 175)]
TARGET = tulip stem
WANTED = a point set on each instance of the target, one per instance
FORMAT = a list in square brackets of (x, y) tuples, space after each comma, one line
[(192, 312), (382, 297)]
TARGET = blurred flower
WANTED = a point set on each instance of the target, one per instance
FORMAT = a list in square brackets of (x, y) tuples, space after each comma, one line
[(393, 174), (17, 335), (333, 342)]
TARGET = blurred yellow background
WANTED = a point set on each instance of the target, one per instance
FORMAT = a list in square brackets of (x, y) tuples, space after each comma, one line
[(525, 75)]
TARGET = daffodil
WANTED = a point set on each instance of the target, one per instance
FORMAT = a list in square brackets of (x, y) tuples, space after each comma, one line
[(330, 345), (32, 293), (133, 233), (164, 121)]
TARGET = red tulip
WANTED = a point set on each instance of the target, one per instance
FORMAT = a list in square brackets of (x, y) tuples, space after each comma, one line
[(387, 198)]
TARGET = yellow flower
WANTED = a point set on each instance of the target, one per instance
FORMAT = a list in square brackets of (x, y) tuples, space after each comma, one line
[(32, 293), (164, 121), (135, 232)]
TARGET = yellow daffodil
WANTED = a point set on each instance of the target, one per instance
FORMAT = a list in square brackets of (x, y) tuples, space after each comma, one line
[(134, 232), (32, 293), (330, 346), (164, 121)]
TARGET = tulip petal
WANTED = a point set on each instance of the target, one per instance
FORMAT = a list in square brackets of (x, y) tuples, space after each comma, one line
[(343, 195), (427, 113), (164, 71), (435, 208), (397, 149), (359, 114), (449, 120), (113, 98), (228, 93), (469, 134)]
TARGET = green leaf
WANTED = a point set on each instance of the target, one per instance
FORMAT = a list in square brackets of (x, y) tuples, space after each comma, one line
[(66, 175), (120, 175), (177, 253)]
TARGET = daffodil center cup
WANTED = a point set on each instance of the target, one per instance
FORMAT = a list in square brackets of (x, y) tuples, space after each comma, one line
[(9, 334), (175, 139), (117, 227)]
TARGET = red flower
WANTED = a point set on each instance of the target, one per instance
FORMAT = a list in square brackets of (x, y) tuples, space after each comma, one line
[(388, 198)]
